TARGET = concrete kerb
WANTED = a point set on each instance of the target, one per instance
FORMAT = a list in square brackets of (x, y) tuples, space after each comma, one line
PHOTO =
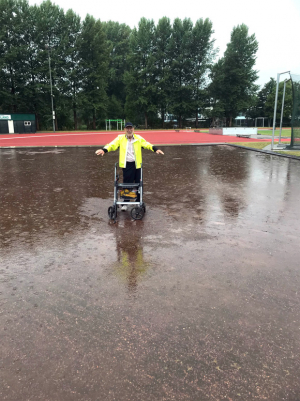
[(268, 152), (99, 146), (277, 147)]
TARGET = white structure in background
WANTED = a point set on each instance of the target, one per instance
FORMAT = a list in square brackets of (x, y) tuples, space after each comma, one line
[(236, 131), (261, 118), (239, 120), (118, 121)]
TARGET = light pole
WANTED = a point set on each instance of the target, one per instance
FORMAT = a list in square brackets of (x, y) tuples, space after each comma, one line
[(282, 108), (275, 107), (53, 112)]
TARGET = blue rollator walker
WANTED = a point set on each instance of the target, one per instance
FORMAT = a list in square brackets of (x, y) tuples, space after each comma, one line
[(128, 191)]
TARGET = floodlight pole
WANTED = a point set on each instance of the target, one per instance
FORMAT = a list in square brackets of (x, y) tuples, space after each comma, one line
[(281, 117), (51, 93), (275, 107)]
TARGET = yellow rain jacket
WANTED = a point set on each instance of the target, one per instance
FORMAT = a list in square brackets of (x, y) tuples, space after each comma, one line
[(122, 142)]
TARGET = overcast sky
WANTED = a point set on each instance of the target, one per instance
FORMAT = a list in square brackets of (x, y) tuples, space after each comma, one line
[(276, 23)]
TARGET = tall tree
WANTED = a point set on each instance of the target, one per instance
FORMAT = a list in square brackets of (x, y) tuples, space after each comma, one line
[(260, 109), (12, 50), (203, 54), (35, 94), (49, 31), (288, 101), (140, 78), (118, 39), (233, 77), (162, 54), (93, 51), (182, 80), (263, 95), (71, 78)]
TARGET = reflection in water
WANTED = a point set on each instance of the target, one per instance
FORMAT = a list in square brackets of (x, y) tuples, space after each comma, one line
[(36, 196), (231, 205), (43, 192), (131, 264), (228, 165)]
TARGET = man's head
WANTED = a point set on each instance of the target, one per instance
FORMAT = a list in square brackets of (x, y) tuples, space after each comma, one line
[(129, 129)]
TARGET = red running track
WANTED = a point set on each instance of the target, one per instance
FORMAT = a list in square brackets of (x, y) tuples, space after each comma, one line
[(102, 138)]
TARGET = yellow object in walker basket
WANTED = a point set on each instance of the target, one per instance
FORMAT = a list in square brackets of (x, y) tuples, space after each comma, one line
[(127, 193)]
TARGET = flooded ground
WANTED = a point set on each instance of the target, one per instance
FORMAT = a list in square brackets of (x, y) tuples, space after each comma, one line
[(197, 301)]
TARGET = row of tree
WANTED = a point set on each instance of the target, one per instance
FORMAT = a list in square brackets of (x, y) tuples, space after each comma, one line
[(108, 70), (264, 102)]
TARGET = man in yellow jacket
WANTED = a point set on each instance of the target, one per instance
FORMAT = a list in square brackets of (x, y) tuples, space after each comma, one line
[(130, 156)]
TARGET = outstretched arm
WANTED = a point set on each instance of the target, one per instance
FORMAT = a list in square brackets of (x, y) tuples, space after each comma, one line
[(158, 151), (148, 145), (100, 152), (110, 147)]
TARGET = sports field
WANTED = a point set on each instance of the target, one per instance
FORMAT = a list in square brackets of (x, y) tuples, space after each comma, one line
[(197, 301), (102, 138)]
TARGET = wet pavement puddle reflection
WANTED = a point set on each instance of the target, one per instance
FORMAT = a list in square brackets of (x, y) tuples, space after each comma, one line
[(197, 301)]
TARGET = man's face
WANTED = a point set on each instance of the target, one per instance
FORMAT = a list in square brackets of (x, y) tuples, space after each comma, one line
[(129, 132)]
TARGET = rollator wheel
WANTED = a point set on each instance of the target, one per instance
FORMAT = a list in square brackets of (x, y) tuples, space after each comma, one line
[(144, 207), (112, 212), (137, 213)]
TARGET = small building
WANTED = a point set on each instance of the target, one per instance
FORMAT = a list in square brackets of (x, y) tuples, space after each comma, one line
[(242, 121), (17, 123)]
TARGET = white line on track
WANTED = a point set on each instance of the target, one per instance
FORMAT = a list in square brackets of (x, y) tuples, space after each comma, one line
[(58, 135)]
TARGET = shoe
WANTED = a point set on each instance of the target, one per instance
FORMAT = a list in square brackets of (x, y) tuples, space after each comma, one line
[(124, 208)]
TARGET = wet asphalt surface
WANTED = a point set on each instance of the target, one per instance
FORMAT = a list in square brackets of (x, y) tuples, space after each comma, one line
[(197, 301)]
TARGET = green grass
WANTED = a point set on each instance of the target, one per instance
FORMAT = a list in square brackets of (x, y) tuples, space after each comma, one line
[(253, 145), (261, 145), (284, 133), (289, 152)]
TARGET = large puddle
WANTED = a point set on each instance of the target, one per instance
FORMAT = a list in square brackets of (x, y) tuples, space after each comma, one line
[(197, 301)]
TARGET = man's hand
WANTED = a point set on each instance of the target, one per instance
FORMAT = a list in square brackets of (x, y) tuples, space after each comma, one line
[(159, 152), (100, 152)]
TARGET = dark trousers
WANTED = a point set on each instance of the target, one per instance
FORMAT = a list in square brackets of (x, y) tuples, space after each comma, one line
[(131, 174)]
